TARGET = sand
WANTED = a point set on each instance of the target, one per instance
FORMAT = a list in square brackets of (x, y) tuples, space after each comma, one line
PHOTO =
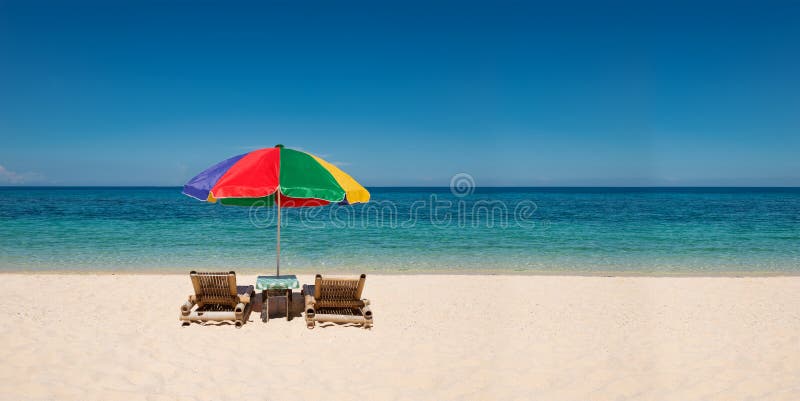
[(109, 337)]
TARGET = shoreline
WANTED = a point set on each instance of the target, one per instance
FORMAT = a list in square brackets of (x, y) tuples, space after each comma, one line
[(457, 273)]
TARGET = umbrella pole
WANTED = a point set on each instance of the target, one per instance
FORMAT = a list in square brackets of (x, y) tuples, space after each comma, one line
[(278, 244)]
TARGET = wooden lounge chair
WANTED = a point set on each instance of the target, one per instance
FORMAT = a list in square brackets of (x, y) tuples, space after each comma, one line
[(337, 300), (216, 298)]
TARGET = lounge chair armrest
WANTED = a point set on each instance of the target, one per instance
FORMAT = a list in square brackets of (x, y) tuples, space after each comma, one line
[(187, 306), (310, 301), (239, 311), (244, 298), (310, 308), (366, 312)]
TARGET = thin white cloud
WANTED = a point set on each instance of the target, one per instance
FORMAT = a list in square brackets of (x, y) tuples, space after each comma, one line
[(341, 164), (12, 177)]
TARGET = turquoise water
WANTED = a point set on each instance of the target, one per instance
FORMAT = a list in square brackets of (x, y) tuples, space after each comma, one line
[(578, 230)]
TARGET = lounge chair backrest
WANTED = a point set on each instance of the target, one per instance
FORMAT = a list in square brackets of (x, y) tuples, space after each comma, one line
[(215, 288), (338, 291)]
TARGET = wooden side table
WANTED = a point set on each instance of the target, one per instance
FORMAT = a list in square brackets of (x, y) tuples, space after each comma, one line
[(276, 286)]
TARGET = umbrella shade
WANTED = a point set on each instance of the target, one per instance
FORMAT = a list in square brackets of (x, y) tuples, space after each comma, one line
[(256, 177)]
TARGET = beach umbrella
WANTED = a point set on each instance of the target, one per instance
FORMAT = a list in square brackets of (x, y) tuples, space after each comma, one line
[(278, 176)]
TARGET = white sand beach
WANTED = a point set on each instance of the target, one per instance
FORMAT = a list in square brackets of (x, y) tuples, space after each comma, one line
[(436, 337)]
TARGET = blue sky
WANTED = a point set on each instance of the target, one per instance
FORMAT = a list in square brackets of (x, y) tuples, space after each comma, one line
[(403, 93)]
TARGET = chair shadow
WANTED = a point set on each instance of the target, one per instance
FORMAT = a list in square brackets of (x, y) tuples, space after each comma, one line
[(325, 325), (213, 323)]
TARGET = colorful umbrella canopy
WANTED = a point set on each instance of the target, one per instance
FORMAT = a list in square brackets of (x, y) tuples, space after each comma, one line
[(300, 178), (275, 176)]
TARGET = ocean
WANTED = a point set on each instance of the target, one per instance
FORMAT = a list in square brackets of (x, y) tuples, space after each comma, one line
[(415, 230)]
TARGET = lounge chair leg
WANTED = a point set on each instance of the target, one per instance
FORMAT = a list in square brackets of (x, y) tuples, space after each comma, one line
[(288, 305), (265, 309)]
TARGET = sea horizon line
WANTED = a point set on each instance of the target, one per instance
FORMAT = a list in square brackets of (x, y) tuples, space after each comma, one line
[(443, 186)]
